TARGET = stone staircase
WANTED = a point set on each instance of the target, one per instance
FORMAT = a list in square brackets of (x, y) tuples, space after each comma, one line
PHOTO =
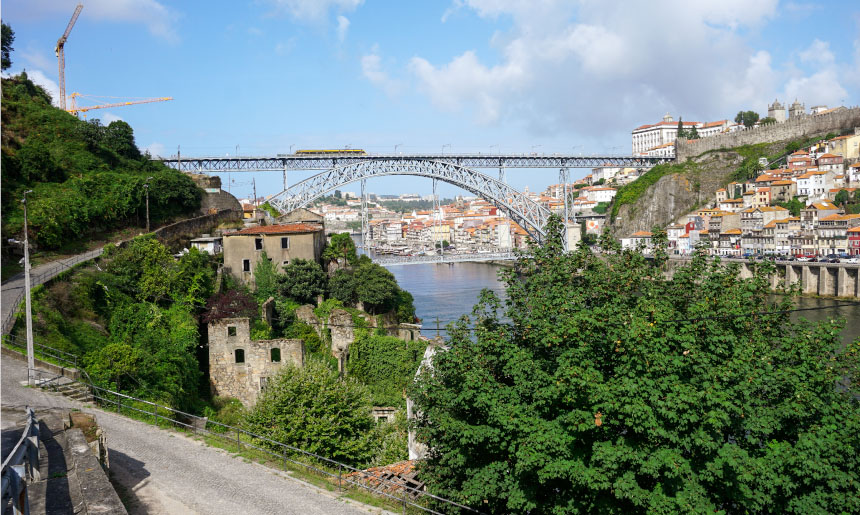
[(70, 388)]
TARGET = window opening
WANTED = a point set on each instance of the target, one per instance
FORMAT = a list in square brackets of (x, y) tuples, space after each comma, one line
[(240, 356), (276, 355)]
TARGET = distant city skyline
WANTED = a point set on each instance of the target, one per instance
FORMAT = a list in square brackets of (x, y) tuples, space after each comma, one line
[(272, 76)]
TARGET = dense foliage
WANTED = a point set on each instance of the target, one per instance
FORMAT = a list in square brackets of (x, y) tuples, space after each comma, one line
[(385, 364), (302, 281), (85, 177), (132, 319), (615, 390), (630, 192), (313, 409), (373, 286)]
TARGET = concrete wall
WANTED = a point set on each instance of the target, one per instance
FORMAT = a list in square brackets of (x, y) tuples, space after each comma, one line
[(239, 247), (794, 128), (826, 279), (244, 381)]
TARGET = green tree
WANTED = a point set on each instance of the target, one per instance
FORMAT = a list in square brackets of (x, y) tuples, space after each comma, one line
[(8, 37), (842, 197), (302, 281), (313, 409), (341, 246), (342, 286), (143, 269), (615, 390), (747, 118), (375, 287), (794, 206), (693, 133), (681, 133), (266, 278), (119, 137), (768, 120)]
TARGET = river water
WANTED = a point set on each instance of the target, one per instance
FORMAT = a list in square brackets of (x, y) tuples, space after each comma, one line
[(447, 291)]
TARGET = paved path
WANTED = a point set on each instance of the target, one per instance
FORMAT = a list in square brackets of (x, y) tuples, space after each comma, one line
[(13, 289), (166, 472)]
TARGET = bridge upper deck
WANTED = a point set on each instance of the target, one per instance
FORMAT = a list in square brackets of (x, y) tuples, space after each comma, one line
[(326, 161)]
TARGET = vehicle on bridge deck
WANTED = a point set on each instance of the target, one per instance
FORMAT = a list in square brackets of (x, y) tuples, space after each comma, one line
[(349, 151)]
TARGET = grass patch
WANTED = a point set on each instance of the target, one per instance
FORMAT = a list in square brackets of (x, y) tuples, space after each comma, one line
[(630, 193)]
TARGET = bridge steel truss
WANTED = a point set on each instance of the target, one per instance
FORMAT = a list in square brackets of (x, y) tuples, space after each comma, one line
[(325, 162), (530, 215)]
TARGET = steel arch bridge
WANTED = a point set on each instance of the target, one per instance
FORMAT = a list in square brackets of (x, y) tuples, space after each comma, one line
[(530, 215)]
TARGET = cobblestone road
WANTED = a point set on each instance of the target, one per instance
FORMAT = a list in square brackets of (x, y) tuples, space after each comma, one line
[(165, 472)]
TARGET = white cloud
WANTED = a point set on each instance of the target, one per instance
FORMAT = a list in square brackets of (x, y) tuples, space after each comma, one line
[(314, 10), (592, 66), (158, 19), (371, 68), (38, 77), (37, 59), (156, 150), (342, 27), (108, 117)]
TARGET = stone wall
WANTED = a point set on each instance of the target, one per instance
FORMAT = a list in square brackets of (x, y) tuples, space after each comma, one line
[(180, 233), (244, 380), (794, 128), (215, 202)]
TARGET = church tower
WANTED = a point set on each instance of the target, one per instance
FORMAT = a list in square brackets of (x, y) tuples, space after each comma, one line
[(776, 111)]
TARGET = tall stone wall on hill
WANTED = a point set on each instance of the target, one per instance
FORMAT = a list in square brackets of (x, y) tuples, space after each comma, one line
[(794, 128)]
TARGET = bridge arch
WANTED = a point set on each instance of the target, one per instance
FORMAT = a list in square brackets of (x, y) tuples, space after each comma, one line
[(530, 215)]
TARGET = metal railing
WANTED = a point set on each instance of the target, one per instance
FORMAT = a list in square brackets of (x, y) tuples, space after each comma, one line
[(44, 275), (21, 467), (65, 358), (320, 465)]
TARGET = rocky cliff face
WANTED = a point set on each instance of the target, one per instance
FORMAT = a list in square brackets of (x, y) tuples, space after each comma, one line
[(673, 196)]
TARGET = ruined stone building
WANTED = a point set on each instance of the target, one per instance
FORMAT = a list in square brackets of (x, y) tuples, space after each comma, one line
[(239, 366)]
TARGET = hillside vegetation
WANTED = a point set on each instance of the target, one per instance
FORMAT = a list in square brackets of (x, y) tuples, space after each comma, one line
[(86, 178), (670, 190)]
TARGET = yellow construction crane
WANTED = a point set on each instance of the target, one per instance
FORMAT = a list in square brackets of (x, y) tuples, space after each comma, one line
[(83, 109), (61, 56)]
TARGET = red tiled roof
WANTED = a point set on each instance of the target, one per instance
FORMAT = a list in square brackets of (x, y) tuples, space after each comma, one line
[(277, 229)]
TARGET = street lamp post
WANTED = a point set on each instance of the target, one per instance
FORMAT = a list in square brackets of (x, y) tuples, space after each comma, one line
[(31, 362), (395, 147), (445, 145), (146, 186)]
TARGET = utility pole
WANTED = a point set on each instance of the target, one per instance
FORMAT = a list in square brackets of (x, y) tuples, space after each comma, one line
[(31, 362), (563, 177), (364, 221), (146, 186), (254, 184)]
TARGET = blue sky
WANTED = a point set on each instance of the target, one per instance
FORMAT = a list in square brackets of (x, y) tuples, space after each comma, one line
[(480, 75)]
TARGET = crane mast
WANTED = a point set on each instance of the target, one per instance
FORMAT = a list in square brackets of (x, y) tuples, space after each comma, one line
[(61, 55)]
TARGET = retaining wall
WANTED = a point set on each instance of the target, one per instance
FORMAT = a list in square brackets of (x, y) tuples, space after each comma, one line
[(794, 128)]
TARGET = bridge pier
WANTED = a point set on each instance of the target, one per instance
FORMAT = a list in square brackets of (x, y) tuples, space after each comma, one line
[(848, 282), (810, 279), (827, 280)]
